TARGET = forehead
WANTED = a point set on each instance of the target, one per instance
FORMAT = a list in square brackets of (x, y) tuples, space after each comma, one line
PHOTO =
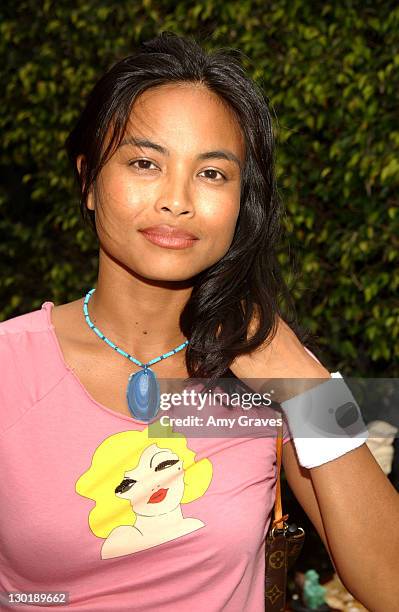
[(188, 116)]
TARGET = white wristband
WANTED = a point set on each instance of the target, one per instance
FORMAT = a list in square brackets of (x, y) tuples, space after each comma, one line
[(325, 422)]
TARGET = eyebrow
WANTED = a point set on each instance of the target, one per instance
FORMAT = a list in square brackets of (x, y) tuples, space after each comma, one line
[(162, 451), (147, 144)]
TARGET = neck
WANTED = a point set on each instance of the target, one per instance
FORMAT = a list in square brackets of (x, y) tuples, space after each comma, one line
[(149, 525), (139, 314)]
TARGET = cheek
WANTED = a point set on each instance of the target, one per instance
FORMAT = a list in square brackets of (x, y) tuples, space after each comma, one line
[(221, 223), (221, 212), (177, 485), (141, 495), (117, 201), (169, 478)]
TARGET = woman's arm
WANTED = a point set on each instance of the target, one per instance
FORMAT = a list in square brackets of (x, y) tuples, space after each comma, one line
[(301, 485), (355, 510), (358, 506)]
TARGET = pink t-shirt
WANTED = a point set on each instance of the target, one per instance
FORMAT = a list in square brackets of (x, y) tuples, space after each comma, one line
[(91, 506)]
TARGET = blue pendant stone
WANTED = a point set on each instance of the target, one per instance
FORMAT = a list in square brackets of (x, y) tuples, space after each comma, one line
[(143, 395)]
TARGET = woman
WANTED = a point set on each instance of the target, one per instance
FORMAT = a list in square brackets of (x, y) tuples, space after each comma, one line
[(132, 501), (174, 157)]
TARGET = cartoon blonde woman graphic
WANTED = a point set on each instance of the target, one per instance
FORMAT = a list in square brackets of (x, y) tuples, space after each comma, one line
[(139, 484)]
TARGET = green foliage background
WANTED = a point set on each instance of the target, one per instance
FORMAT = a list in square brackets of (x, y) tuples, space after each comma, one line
[(330, 71)]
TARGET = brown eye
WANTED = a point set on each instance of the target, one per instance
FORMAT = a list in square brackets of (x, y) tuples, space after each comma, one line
[(143, 164), (125, 485), (166, 464), (212, 174)]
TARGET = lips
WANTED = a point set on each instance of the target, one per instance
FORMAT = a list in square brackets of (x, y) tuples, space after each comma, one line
[(158, 496), (169, 230)]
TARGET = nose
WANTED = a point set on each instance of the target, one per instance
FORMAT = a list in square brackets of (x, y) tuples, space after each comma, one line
[(175, 196)]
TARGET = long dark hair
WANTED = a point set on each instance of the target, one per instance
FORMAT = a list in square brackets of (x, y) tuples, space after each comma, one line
[(248, 278)]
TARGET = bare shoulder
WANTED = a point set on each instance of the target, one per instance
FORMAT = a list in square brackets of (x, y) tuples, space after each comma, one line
[(68, 319), (194, 523), (68, 310), (124, 532), (122, 540)]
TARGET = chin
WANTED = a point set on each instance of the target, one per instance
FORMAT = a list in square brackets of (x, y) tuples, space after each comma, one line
[(167, 276), (173, 277)]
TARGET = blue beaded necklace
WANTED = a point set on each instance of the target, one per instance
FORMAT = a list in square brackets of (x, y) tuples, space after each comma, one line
[(143, 394)]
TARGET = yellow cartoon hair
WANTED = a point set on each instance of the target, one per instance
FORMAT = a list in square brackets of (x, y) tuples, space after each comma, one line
[(121, 452)]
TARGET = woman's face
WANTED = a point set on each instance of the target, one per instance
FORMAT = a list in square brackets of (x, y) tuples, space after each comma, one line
[(179, 164), (156, 485)]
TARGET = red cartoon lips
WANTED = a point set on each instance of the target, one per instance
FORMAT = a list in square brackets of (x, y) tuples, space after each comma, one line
[(158, 496)]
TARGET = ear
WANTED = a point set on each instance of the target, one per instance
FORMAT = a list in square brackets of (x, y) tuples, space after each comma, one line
[(90, 200)]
